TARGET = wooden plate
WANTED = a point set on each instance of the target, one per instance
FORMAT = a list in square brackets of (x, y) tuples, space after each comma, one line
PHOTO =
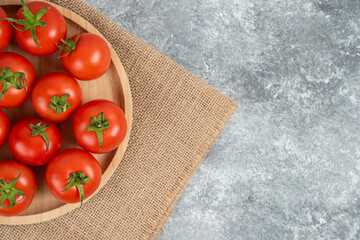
[(113, 86)]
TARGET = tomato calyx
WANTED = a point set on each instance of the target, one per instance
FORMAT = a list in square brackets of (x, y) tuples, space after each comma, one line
[(69, 45), (59, 104), (98, 125), (31, 21), (77, 179), (8, 191), (37, 129), (10, 79)]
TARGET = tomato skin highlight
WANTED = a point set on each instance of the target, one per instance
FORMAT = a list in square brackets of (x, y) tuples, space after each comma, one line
[(90, 59), (6, 30), (60, 168), (27, 183), (17, 63), (112, 137), (4, 127), (57, 84), (31, 150), (48, 36)]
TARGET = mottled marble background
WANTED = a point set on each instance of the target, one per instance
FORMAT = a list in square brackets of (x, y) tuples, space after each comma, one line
[(287, 165)]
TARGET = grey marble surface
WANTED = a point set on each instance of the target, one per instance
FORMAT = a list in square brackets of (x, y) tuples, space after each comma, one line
[(287, 165)]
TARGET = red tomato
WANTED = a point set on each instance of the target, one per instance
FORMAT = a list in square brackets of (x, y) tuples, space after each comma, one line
[(18, 188), (87, 57), (47, 23), (34, 141), (4, 127), (56, 97), (73, 175), (5, 30), (99, 126), (15, 69)]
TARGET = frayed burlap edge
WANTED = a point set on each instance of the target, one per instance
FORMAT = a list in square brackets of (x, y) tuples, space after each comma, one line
[(176, 194)]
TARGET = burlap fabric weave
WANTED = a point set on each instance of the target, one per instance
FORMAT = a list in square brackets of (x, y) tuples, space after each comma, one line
[(177, 118)]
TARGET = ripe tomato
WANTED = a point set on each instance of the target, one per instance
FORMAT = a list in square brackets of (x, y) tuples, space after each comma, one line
[(42, 29), (17, 78), (56, 97), (18, 187), (4, 127), (73, 175), (5, 30), (34, 141), (99, 126), (85, 56)]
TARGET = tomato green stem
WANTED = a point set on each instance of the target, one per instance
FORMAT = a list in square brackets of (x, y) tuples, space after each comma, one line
[(10, 79), (98, 125), (59, 104), (8, 191), (77, 179), (37, 129), (69, 45), (30, 22)]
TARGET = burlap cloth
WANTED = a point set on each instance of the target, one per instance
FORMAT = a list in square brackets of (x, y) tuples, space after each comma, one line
[(177, 118)]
